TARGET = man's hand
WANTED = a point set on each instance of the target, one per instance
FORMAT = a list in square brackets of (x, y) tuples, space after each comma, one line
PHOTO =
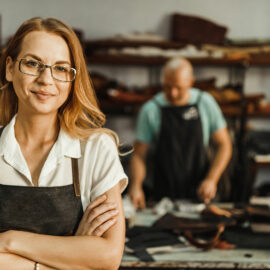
[(98, 217), (207, 190), (137, 197)]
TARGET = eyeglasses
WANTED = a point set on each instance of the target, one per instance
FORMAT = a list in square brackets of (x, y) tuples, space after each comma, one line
[(60, 72)]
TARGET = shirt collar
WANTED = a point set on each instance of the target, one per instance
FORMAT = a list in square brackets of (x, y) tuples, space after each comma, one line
[(64, 146), (68, 146), (7, 140)]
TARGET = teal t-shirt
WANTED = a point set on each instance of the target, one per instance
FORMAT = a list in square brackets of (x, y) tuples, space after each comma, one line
[(149, 119)]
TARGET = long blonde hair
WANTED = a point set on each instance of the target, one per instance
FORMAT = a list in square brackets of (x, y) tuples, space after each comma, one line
[(80, 115)]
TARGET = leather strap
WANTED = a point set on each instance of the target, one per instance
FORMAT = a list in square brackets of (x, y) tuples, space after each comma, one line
[(1, 130), (75, 176), (202, 244)]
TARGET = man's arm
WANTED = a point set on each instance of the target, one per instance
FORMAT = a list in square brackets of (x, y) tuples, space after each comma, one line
[(223, 151), (138, 174)]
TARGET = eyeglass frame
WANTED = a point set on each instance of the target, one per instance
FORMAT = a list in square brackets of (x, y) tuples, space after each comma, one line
[(45, 66)]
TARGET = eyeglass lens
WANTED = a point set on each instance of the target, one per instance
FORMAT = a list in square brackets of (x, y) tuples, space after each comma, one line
[(59, 72)]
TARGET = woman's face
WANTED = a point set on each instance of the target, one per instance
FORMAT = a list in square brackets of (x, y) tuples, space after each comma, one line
[(40, 94)]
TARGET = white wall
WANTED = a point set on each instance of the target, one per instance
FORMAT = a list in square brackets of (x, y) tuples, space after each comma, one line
[(102, 18)]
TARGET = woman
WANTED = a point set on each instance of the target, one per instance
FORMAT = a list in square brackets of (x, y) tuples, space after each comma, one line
[(55, 158)]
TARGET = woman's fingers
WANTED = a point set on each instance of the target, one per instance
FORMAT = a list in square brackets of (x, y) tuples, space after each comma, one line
[(104, 227), (98, 211), (98, 217), (98, 221), (100, 224), (99, 200)]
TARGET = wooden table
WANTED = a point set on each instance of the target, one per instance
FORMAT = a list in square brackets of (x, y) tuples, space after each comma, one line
[(193, 258)]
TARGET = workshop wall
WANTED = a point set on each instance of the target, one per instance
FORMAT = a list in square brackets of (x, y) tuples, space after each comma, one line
[(103, 18)]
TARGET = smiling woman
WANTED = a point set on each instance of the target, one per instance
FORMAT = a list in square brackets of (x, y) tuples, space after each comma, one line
[(60, 174)]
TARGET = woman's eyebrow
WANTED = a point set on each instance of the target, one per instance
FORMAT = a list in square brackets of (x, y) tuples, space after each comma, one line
[(33, 56), (62, 62), (39, 59)]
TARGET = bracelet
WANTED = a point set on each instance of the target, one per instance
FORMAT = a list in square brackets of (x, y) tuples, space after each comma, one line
[(36, 266)]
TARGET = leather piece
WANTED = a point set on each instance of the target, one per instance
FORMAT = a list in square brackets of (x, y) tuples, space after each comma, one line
[(196, 30)]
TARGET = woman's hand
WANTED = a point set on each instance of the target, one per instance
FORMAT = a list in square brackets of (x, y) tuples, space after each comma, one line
[(98, 217)]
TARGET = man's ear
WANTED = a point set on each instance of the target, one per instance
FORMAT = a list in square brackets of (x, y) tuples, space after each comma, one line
[(9, 69)]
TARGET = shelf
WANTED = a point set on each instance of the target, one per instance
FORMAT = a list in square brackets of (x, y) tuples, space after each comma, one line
[(105, 59), (97, 44), (236, 112), (261, 58)]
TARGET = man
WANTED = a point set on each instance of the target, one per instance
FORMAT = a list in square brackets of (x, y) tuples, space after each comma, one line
[(180, 121)]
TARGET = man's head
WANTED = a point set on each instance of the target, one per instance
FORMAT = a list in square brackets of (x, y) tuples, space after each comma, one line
[(177, 80)]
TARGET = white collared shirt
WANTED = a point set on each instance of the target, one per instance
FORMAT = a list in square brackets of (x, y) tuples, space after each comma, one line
[(99, 165)]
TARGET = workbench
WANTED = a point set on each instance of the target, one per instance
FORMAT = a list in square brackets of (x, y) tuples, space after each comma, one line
[(193, 258)]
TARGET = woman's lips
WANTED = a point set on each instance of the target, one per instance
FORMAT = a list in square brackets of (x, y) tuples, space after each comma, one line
[(42, 95)]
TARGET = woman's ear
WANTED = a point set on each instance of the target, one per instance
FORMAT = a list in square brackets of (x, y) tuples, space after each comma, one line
[(9, 69)]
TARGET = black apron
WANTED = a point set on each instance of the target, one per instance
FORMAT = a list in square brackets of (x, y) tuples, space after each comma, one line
[(181, 160), (43, 210)]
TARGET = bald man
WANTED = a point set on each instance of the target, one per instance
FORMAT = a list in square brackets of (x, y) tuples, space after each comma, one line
[(180, 121)]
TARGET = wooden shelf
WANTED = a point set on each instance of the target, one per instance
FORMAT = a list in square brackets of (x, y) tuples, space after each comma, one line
[(106, 59), (97, 44), (91, 47), (236, 112), (260, 60)]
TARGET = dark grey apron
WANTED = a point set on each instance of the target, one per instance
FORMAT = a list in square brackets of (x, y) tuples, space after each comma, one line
[(43, 210), (181, 160)]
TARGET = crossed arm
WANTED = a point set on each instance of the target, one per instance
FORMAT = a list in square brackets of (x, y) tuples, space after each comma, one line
[(86, 250)]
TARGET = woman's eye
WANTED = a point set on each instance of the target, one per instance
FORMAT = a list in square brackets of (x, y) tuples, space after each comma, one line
[(32, 63), (60, 69)]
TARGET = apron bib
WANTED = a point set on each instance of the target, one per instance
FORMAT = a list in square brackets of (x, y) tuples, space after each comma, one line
[(43, 210), (181, 160)]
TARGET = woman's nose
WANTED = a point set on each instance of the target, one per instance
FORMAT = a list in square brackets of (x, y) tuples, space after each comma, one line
[(45, 76)]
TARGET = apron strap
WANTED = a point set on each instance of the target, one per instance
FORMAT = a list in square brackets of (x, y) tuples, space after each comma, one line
[(199, 97), (75, 176), (1, 130)]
